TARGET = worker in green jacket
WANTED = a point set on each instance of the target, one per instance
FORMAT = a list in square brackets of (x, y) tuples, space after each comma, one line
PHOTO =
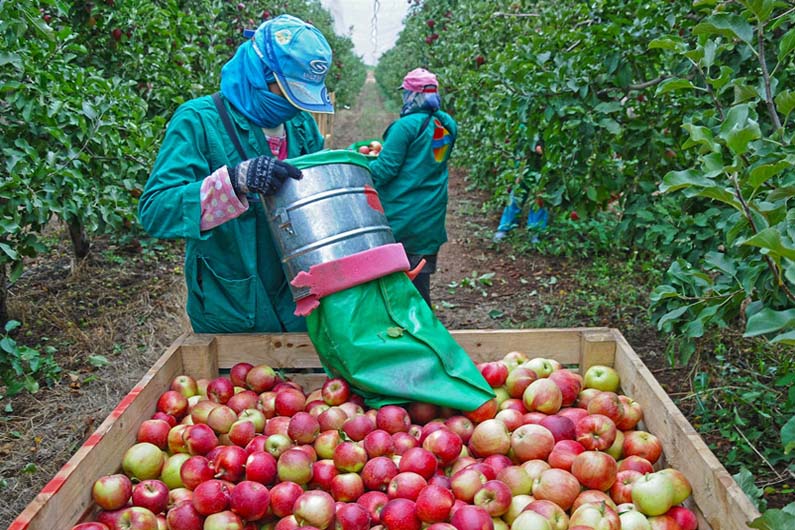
[(410, 173), (219, 154)]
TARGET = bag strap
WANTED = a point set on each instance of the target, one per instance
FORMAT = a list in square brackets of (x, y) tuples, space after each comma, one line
[(230, 130)]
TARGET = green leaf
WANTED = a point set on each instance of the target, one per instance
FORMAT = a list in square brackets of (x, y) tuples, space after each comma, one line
[(672, 315), (745, 480), (719, 261), (770, 240), (784, 338), (788, 435), (761, 174), (13, 59), (11, 325), (700, 135), (676, 180), (786, 44), (728, 25), (665, 44), (8, 251), (739, 129), (99, 361), (611, 125), (762, 9), (773, 520), (785, 101), (394, 332), (669, 85), (769, 321)]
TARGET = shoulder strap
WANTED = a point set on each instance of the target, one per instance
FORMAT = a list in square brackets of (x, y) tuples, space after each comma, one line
[(230, 130)]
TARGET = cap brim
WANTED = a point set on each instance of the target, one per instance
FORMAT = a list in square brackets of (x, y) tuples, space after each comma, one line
[(311, 98)]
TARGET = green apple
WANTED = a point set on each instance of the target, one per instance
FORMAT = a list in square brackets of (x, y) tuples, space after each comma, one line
[(601, 377), (653, 494)]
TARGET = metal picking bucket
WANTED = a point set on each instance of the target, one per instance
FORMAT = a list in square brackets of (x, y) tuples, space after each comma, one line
[(331, 213)]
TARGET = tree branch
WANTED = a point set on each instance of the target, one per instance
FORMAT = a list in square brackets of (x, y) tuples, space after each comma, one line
[(516, 15), (637, 87), (771, 107)]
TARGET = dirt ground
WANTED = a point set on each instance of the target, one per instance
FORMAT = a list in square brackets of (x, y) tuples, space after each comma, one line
[(124, 303)]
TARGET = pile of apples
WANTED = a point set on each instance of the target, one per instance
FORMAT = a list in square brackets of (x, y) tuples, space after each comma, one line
[(553, 451), (374, 149)]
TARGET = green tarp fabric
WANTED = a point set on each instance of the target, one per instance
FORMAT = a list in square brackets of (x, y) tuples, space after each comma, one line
[(330, 156), (386, 342)]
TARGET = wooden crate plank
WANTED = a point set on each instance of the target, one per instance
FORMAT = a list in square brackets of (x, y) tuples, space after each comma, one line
[(719, 498), (67, 497), (293, 350), (597, 348), (562, 344), (200, 356)]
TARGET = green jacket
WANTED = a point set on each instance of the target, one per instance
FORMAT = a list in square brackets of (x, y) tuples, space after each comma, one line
[(233, 274), (411, 178)]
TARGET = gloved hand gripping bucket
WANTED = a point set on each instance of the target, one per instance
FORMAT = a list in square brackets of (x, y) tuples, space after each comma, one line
[(365, 318)]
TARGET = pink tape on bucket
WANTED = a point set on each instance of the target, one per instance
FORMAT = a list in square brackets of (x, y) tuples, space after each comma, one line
[(334, 276)]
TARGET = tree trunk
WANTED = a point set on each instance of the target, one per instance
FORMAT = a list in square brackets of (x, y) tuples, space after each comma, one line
[(80, 242), (3, 295)]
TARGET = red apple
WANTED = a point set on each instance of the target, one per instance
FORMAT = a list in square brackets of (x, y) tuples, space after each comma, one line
[(173, 403), (112, 492), (351, 516), (378, 443), (518, 380), (490, 437), (563, 454), (211, 497), (406, 485), (136, 518), (621, 490), (400, 514), (462, 426), (472, 518), (466, 482), (434, 503), (517, 480), (335, 391), (392, 419), (596, 432), (294, 465), (230, 463), (593, 496), (245, 399), (638, 463), (288, 401), (606, 404), (420, 461), (643, 444), (484, 412), (512, 418), (195, 470), (495, 372), (595, 470), (378, 472), (532, 442), (154, 432), (373, 502), (575, 414), (570, 384), (184, 516), (534, 468), (283, 497), (349, 457), (199, 439), (314, 508), (554, 514), (261, 467), (220, 390), (494, 497), (201, 410), (347, 487), (684, 517), (542, 395), (359, 426), (249, 500), (303, 428), (221, 418), (151, 494), (633, 413), (558, 486), (323, 472), (421, 413), (663, 522), (261, 378), (226, 520), (332, 418), (327, 441), (91, 526)]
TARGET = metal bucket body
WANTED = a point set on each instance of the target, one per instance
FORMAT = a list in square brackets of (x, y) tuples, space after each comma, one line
[(325, 216)]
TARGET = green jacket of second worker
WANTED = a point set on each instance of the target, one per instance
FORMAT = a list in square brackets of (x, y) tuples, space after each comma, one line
[(234, 277), (410, 175)]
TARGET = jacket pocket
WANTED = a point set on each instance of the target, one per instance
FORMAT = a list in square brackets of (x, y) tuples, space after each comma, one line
[(229, 305)]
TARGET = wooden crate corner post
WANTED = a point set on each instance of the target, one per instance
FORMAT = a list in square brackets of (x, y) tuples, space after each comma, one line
[(597, 347)]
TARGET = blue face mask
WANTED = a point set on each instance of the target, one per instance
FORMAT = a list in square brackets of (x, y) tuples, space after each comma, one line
[(419, 101), (244, 82)]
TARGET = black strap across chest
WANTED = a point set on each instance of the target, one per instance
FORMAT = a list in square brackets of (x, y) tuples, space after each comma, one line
[(227, 121)]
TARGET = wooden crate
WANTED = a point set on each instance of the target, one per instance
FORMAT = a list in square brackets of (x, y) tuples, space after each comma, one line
[(66, 499)]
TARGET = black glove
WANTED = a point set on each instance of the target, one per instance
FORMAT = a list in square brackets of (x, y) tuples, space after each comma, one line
[(263, 174)]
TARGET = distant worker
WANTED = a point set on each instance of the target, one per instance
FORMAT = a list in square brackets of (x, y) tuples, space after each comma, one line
[(219, 154), (529, 173), (410, 173)]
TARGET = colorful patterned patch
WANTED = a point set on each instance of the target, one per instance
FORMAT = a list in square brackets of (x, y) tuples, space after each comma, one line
[(442, 140)]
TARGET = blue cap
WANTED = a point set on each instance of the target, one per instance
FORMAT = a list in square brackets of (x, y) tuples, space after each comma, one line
[(300, 57)]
